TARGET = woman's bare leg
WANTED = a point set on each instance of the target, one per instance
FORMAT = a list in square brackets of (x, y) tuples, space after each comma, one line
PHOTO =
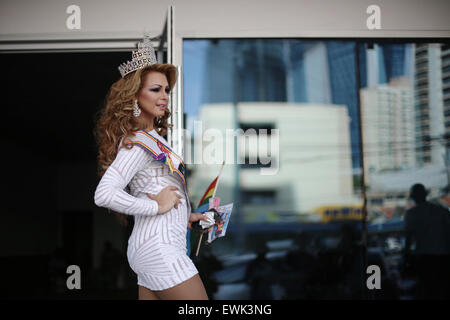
[(191, 289), (146, 294)]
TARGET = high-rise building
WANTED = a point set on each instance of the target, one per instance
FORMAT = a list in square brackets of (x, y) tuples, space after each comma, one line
[(394, 60), (344, 88), (388, 127), (445, 56), (429, 104)]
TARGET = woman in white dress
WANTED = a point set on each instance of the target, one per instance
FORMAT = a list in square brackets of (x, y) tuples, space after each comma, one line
[(141, 176)]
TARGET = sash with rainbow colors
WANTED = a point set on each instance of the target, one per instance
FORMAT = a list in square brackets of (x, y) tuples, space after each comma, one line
[(160, 152)]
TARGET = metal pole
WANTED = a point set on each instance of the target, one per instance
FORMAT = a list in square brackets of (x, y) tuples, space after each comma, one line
[(240, 236), (447, 163), (363, 184)]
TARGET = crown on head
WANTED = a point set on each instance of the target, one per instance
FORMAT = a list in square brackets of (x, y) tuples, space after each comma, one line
[(143, 56)]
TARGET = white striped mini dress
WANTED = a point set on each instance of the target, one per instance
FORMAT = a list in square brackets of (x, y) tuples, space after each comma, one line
[(157, 250)]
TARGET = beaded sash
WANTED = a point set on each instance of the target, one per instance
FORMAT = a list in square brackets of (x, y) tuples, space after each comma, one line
[(160, 152)]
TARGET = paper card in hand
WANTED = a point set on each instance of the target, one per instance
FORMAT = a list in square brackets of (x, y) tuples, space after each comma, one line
[(220, 230)]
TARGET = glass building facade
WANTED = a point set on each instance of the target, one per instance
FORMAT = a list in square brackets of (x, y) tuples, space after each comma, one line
[(315, 220), (335, 134)]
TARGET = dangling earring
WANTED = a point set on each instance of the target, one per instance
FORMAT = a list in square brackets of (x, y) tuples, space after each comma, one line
[(136, 109)]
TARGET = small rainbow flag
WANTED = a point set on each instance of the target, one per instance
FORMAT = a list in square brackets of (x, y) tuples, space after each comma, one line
[(203, 206), (210, 192)]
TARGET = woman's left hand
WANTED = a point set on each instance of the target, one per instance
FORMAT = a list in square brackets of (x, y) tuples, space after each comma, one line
[(197, 217)]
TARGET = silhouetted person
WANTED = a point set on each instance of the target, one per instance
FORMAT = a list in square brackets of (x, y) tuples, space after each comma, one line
[(427, 225)]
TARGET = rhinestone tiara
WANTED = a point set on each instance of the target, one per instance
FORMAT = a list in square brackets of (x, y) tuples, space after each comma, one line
[(143, 56)]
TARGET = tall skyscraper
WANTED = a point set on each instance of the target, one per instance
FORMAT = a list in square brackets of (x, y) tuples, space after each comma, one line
[(344, 89), (394, 57), (445, 56), (429, 104), (388, 122)]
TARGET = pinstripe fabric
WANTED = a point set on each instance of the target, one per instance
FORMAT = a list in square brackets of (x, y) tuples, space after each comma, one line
[(157, 245)]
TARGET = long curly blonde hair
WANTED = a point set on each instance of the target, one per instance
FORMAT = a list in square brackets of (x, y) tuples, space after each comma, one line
[(116, 120)]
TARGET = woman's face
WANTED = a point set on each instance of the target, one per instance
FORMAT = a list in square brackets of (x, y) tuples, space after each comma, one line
[(153, 98)]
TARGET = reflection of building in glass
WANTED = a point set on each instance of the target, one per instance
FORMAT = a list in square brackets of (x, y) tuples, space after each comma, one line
[(388, 127), (286, 71), (342, 65), (429, 104), (445, 56), (314, 158), (302, 71), (390, 188), (383, 62), (396, 61)]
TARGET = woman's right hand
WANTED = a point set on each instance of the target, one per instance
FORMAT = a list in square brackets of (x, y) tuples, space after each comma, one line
[(167, 199)]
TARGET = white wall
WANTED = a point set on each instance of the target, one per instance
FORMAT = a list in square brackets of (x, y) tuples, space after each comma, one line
[(45, 19), (314, 155)]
